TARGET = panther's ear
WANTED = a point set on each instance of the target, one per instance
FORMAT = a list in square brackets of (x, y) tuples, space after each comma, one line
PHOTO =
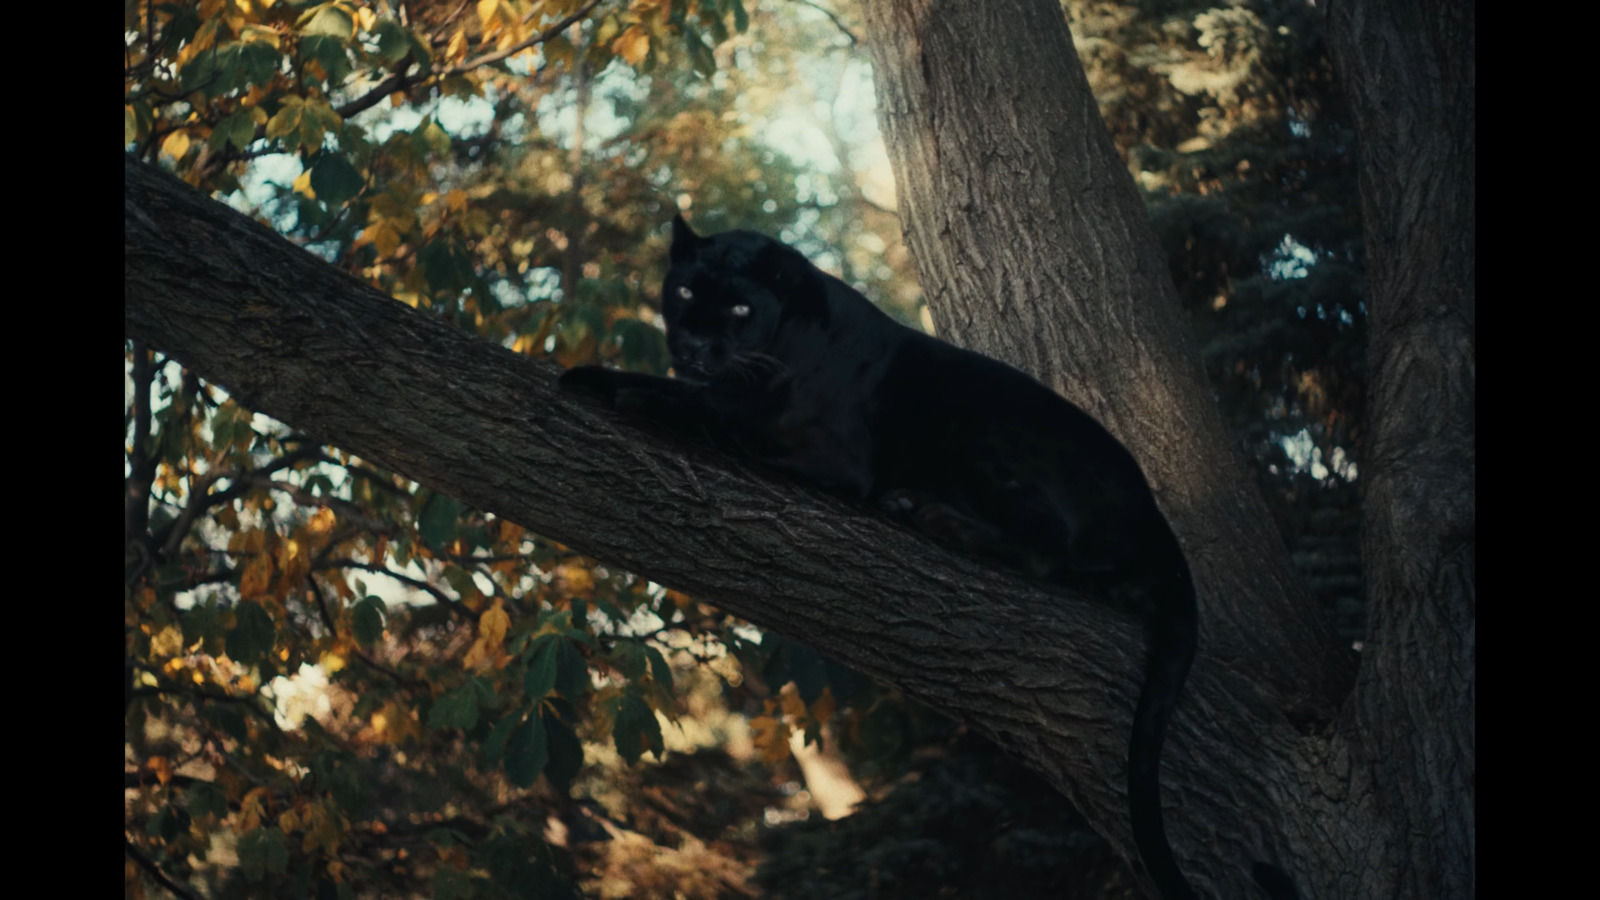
[(685, 243)]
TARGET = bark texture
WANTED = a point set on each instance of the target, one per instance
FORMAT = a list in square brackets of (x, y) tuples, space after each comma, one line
[(1053, 678), (1408, 71), (1033, 247)]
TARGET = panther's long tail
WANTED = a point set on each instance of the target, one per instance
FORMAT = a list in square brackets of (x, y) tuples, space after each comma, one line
[(1171, 629)]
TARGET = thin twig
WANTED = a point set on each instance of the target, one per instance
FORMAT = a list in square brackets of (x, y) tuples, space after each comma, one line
[(155, 872), (843, 29)]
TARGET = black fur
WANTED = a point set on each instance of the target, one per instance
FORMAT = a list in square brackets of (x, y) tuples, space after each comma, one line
[(780, 361)]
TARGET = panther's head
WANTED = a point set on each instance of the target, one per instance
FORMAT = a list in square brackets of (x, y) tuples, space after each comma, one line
[(727, 296)]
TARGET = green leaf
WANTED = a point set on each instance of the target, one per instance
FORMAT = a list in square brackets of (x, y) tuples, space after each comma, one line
[(741, 19), (643, 346), (327, 19), (431, 140), (526, 752), (541, 676), (705, 62), (636, 729), (437, 523), (203, 623), (367, 618), (253, 635), (261, 851), (457, 709), (459, 579), (238, 129), (330, 53), (394, 42), (287, 119), (494, 747), (659, 670), (566, 751), (205, 799), (259, 62), (628, 657), (572, 672), (168, 823), (447, 266), (420, 51), (335, 180), (198, 72)]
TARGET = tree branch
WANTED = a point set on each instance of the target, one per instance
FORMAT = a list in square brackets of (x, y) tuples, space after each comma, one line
[(834, 18), (142, 468), (1052, 677), (514, 49), (154, 871)]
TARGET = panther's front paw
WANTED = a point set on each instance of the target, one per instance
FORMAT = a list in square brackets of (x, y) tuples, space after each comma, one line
[(594, 383)]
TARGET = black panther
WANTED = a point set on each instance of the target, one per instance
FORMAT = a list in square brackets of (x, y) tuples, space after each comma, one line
[(778, 360)]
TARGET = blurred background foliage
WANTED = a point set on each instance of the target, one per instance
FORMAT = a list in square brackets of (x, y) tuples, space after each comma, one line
[(342, 684)]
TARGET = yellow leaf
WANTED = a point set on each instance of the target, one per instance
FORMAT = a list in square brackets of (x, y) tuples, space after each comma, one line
[(511, 533), (822, 710), (477, 655), (167, 642), (257, 575), (771, 738), (385, 238), (130, 125), (793, 706), (487, 10), (261, 34), (161, 766), (456, 50), (176, 144), (575, 580), (251, 808), (632, 45), (493, 624), (322, 522), (302, 185), (287, 118)]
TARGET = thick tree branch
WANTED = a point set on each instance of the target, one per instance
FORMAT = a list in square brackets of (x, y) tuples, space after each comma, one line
[(1051, 677)]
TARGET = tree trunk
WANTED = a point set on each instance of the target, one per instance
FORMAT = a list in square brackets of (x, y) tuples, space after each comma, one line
[(1408, 70), (1033, 247), (1052, 678)]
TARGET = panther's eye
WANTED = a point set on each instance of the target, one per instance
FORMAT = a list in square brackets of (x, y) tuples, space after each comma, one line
[(685, 293), (740, 311)]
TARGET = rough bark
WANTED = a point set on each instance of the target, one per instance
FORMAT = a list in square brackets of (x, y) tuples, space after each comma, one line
[(1052, 678), (1033, 247), (1408, 73)]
